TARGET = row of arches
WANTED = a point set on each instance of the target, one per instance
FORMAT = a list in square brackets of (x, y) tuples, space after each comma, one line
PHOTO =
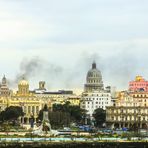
[(131, 125)]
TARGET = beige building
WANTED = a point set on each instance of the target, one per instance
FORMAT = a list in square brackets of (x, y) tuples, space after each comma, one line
[(30, 104), (5, 94), (130, 110), (74, 100), (33, 101)]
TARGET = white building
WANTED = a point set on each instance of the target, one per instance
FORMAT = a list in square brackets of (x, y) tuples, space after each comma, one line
[(94, 100), (94, 95)]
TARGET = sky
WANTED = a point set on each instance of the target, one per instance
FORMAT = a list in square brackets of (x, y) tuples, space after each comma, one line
[(57, 41)]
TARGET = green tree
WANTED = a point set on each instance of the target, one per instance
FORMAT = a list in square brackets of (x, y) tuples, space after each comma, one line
[(100, 117), (76, 113), (56, 118), (11, 113), (64, 114)]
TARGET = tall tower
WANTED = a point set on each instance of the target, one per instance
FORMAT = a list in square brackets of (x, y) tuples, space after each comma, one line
[(4, 90), (42, 85), (93, 80)]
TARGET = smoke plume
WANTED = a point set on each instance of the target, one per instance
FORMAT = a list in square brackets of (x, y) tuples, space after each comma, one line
[(117, 70)]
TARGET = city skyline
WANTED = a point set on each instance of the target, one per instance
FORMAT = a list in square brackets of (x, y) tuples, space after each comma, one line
[(62, 39)]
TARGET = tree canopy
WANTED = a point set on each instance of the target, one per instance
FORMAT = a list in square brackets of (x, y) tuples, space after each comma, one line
[(76, 113), (100, 117), (64, 114), (11, 113)]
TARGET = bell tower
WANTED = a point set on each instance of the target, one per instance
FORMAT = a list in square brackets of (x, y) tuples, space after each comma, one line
[(4, 90), (42, 85)]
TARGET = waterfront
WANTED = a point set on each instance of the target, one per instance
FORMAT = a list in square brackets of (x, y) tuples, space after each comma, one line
[(76, 144), (70, 139)]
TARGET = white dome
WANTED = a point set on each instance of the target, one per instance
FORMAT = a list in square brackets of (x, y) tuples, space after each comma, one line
[(93, 79), (94, 75)]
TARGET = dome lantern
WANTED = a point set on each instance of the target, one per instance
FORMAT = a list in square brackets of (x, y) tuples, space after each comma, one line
[(94, 65)]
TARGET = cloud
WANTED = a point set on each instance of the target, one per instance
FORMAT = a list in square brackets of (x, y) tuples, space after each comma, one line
[(68, 35)]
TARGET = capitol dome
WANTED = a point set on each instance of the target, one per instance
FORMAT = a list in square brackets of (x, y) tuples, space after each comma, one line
[(94, 75), (93, 79)]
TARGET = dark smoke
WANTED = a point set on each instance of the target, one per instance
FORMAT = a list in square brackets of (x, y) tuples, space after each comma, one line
[(29, 68), (117, 70), (37, 69)]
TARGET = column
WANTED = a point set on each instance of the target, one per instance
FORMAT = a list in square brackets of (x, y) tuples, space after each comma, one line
[(35, 111), (123, 124), (22, 120), (128, 125), (119, 125), (35, 119), (27, 120), (19, 119)]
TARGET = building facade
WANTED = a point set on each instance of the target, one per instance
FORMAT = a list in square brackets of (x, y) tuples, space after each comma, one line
[(129, 117), (4, 90), (139, 84), (5, 94), (94, 100), (130, 110), (30, 104)]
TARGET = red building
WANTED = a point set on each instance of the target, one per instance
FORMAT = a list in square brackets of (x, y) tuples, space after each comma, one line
[(139, 84)]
